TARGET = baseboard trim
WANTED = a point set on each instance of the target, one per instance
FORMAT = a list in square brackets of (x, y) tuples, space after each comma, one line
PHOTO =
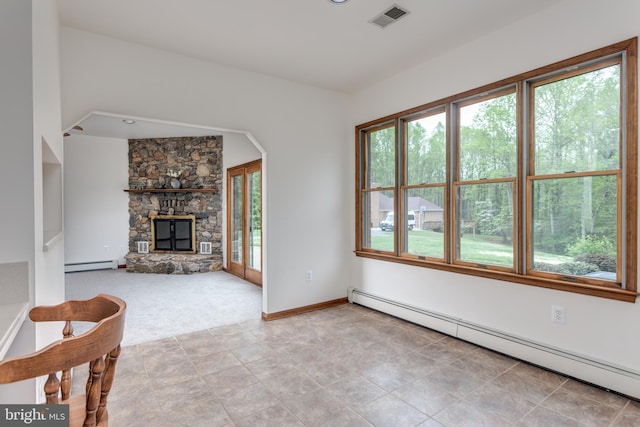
[(620, 379), (300, 310), (92, 265)]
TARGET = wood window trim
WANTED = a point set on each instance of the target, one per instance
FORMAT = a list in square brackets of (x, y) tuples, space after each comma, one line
[(579, 288), (629, 89)]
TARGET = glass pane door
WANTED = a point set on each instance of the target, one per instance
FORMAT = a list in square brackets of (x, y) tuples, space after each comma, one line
[(254, 220), (244, 229), (236, 222), (253, 271)]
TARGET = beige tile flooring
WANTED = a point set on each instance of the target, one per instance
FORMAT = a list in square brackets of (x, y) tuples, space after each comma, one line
[(345, 366)]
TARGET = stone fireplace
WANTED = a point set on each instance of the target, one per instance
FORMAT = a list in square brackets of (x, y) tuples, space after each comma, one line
[(175, 206)]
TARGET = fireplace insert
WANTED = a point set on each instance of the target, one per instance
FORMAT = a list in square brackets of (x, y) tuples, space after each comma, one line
[(173, 233)]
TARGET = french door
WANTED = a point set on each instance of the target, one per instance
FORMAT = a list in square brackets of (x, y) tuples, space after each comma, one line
[(244, 224)]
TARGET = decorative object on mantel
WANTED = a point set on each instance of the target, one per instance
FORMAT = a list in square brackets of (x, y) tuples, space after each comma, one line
[(175, 182)]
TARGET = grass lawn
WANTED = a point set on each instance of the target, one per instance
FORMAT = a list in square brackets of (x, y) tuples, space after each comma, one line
[(479, 249)]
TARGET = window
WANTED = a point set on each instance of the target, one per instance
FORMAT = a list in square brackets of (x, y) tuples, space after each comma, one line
[(574, 184), (485, 181), (531, 180), (379, 182), (423, 192)]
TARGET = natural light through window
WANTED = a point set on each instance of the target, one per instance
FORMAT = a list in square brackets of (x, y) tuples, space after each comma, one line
[(531, 180)]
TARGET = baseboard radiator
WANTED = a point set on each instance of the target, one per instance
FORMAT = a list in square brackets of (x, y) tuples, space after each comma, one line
[(615, 378), (88, 266)]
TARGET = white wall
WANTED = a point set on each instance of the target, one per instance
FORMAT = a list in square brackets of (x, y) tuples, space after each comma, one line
[(49, 268), (29, 114), (16, 161), (304, 131), (96, 206), (16, 121), (237, 150), (597, 328)]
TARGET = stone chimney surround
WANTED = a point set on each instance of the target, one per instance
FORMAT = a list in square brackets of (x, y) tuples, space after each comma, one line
[(171, 177)]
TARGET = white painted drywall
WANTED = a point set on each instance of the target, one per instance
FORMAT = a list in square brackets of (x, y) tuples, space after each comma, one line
[(29, 113), (49, 268), (16, 121), (237, 150), (596, 327), (304, 131), (16, 163), (96, 206)]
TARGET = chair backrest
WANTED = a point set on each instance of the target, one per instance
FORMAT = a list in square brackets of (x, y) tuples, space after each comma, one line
[(100, 347)]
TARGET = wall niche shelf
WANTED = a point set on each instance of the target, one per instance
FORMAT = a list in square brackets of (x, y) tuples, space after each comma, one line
[(173, 190)]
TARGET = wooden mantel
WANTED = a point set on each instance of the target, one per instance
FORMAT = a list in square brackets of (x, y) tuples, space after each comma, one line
[(173, 190)]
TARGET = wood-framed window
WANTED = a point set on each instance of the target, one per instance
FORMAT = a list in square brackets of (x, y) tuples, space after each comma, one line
[(423, 189), (532, 179), (378, 198), (485, 181)]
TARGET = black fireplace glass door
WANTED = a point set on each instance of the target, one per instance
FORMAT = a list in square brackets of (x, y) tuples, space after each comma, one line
[(183, 234), (173, 234), (163, 234)]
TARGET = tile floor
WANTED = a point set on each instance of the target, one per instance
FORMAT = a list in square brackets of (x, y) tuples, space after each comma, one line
[(345, 366)]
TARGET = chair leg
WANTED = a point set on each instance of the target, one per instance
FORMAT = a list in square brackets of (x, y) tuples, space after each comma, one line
[(65, 379), (94, 386), (51, 388), (107, 380)]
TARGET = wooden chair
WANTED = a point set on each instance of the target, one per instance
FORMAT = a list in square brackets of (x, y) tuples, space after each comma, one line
[(100, 347)]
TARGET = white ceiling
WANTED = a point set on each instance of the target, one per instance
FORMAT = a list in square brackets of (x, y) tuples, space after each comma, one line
[(314, 42)]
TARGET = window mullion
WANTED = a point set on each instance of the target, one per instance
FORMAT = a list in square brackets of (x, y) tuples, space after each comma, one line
[(398, 233)]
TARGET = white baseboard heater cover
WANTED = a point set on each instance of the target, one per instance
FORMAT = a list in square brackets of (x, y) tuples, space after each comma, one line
[(88, 266), (616, 378)]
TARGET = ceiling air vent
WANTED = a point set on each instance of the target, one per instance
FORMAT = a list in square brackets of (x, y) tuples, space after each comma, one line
[(389, 16)]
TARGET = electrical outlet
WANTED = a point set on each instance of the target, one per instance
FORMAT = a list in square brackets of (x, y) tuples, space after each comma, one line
[(106, 249), (121, 249), (309, 275), (558, 315)]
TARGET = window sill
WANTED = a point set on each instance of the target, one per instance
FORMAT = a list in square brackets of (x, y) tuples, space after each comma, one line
[(580, 288)]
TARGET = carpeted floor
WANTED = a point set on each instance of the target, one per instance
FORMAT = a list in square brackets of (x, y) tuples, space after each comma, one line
[(161, 306)]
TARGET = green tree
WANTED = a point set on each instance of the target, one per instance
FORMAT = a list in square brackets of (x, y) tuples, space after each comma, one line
[(576, 129), (426, 153), (488, 144), (488, 151), (382, 157)]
